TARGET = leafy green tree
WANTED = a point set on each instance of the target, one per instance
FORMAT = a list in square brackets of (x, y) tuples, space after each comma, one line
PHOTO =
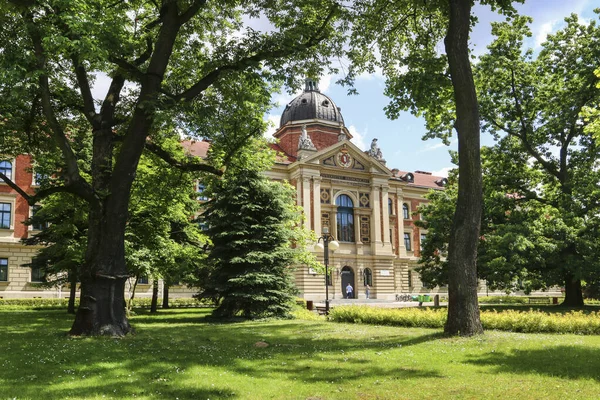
[(62, 241), (533, 105), (191, 65), (440, 87), (254, 226), (161, 234)]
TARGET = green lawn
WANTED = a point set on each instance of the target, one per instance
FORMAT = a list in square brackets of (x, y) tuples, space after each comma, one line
[(176, 354)]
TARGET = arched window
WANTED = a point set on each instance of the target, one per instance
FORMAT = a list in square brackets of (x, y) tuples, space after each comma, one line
[(390, 207), (405, 211), (368, 277), (6, 169), (345, 218)]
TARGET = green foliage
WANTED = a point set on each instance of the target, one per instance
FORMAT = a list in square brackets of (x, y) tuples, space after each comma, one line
[(179, 354), (540, 220), (503, 300), (140, 302), (162, 239), (254, 227), (507, 320)]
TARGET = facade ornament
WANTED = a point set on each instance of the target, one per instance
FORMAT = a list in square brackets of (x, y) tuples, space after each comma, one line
[(305, 143), (342, 135), (375, 151)]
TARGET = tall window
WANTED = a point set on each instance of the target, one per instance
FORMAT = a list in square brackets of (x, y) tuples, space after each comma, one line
[(405, 211), (390, 207), (423, 236), (38, 225), (200, 191), (345, 219), (368, 277), (407, 242), (5, 209), (3, 269), (6, 169), (37, 275), (143, 280)]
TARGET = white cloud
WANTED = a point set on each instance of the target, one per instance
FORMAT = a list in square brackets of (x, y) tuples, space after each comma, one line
[(442, 172), (435, 146), (273, 125), (358, 138), (543, 31)]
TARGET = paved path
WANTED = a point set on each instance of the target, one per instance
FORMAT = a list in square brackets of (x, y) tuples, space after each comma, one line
[(374, 303)]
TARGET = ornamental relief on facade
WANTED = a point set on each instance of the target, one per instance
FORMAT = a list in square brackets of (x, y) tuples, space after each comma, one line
[(344, 159), (325, 196)]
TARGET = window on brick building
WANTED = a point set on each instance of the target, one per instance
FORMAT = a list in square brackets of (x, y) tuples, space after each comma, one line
[(5, 211), (345, 218), (3, 269), (405, 213), (38, 225), (6, 169), (407, 243), (200, 188), (423, 237), (390, 207)]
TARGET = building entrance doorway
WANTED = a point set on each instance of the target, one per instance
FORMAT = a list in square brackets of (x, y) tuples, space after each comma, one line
[(348, 279)]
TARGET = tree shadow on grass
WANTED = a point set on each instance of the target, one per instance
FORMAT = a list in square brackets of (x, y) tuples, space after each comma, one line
[(569, 362), (162, 359)]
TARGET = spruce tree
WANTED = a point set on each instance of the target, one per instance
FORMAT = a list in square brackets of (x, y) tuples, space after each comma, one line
[(252, 224)]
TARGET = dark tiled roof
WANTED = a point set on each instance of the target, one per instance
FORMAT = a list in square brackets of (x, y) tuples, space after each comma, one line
[(282, 157), (311, 104), (421, 179), (196, 148)]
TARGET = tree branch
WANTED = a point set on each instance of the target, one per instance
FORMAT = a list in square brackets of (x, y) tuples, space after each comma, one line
[(184, 166), (73, 177), (191, 11), (86, 91), (242, 63), (524, 130), (15, 187)]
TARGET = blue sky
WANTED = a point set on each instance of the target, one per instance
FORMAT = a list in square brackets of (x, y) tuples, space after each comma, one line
[(400, 140)]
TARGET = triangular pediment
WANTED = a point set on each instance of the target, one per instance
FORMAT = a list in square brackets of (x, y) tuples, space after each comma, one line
[(346, 156)]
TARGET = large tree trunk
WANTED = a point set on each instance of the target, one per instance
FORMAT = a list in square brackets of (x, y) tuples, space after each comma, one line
[(463, 308), (102, 301), (573, 292)]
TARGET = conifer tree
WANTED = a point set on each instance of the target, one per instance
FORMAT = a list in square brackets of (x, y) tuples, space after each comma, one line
[(253, 223)]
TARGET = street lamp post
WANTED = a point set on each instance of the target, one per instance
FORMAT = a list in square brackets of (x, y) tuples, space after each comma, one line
[(329, 242)]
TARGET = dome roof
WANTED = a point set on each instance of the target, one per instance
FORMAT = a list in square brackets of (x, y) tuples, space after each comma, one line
[(311, 104)]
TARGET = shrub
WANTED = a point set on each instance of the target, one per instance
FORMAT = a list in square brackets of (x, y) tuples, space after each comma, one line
[(143, 302), (409, 317), (304, 314), (503, 300), (510, 320), (36, 303)]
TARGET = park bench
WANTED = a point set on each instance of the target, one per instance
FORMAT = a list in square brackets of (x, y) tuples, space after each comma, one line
[(321, 309), (540, 300)]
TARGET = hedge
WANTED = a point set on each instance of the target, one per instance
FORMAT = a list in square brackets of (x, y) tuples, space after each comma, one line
[(510, 320), (143, 302)]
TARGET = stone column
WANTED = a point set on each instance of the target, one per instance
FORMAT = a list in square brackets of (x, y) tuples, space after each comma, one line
[(317, 204), (400, 233), (386, 217), (306, 200), (375, 217)]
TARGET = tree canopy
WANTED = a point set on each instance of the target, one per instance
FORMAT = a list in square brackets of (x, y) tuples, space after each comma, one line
[(188, 66)]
